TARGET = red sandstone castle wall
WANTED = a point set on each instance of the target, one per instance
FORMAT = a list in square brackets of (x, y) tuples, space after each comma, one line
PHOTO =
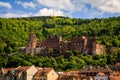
[(83, 44), (51, 42), (100, 49)]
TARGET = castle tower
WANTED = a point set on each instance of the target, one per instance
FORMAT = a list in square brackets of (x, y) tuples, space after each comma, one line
[(60, 40), (84, 39), (94, 45), (32, 41)]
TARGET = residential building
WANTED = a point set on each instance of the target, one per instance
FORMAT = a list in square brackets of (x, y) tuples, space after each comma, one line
[(93, 71), (28, 71), (6, 73), (101, 76), (19, 73), (45, 74), (114, 77), (73, 75)]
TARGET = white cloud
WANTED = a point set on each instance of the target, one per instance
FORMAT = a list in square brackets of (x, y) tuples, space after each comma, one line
[(49, 12), (26, 4), (14, 15), (57, 4), (96, 8), (42, 12), (5, 4), (65, 7), (112, 6), (109, 6)]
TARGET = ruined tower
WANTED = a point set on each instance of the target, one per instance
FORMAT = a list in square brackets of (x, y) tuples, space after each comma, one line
[(32, 41), (84, 41), (60, 40)]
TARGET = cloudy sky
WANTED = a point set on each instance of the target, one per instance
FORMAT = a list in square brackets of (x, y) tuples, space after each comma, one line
[(69, 8)]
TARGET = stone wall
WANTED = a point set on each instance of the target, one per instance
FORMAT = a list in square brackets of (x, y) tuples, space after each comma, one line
[(100, 49), (82, 44)]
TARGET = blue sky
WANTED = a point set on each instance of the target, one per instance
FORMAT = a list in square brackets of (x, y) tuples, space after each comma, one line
[(69, 8)]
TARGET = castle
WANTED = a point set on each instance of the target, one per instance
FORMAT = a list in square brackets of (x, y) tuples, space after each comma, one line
[(83, 44)]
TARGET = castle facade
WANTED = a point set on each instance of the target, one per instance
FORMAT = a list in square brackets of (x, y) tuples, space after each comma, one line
[(83, 44)]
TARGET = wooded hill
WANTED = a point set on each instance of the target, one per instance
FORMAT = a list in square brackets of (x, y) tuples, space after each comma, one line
[(14, 32)]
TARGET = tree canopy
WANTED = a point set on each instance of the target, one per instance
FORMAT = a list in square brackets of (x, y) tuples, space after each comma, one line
[(14, 33)]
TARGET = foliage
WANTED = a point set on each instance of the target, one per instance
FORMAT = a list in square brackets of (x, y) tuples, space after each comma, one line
[(14, 33), (59, 63)]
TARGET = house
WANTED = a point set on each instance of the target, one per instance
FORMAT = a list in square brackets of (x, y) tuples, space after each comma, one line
[(71, 75), (45, 74), (19, 73), (117, 66), (114, 77), (93, 70), (27, 72), (100, 76), (63, 76), (6, 73), (95, 73), (116, 70)]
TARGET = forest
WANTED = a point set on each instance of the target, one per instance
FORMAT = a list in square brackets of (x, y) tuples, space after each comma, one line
[(60, 63), (14, 33)]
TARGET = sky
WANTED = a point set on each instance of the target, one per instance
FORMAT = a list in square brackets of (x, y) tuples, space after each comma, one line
[(67, 8)]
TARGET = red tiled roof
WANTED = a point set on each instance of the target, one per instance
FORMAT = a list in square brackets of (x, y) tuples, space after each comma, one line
[(5, 70), (74, 71), (75, 75), (117, 64), (115, 73), (115, 77), (101, 74), (94, 69), (65, 73), (47, 70), (41, 70), (23, 68)]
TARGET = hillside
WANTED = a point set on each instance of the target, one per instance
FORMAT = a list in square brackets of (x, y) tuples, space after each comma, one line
[(14, 32)]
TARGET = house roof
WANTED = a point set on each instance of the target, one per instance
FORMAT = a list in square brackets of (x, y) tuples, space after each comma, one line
[(115, 77), (101, 74), (43, 71), (39, 72), (117, 64), (5, 70), (74, 71), (115, 73), (65, 73), (23, 68), (95, 69), (70, 73)]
